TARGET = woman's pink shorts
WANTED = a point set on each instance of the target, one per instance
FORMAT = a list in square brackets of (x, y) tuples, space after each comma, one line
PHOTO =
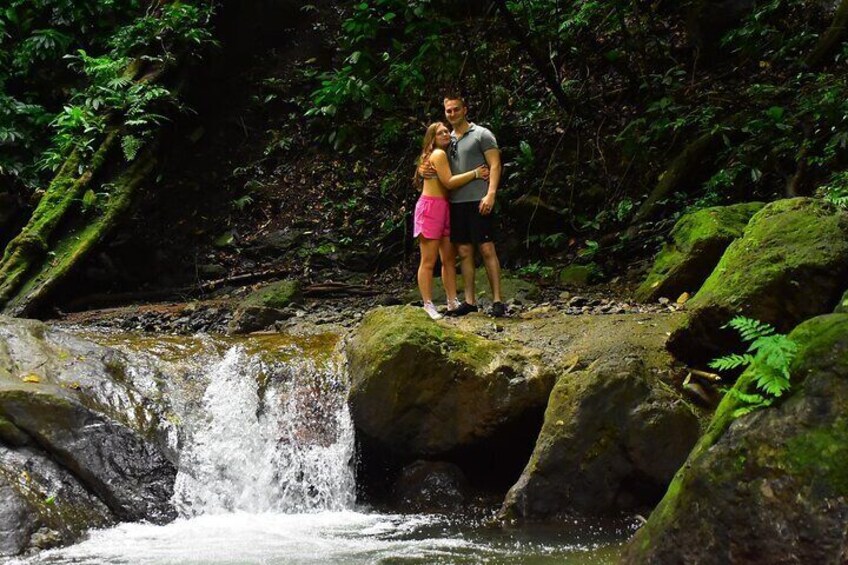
[(432, 217)]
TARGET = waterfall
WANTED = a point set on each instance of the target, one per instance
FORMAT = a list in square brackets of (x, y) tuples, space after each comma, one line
[(267, 437)]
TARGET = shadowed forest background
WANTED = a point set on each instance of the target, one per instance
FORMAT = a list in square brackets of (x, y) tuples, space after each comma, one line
[(168, 149)]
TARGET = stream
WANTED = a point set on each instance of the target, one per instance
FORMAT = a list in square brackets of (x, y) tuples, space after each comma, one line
[(266, 471)]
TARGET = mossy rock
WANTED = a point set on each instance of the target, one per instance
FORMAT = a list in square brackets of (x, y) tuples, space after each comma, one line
[(511, 288), (695, 246), (790, 265), (275, 295), (605, 425), (580, 275), (421, 389), (770, 486), (265, 306)]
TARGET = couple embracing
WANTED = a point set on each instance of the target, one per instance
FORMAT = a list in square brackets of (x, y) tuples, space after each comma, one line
[(459, 172)]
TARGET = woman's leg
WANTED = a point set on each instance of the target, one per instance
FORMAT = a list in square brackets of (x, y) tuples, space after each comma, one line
[(429, 252), (448, 255)]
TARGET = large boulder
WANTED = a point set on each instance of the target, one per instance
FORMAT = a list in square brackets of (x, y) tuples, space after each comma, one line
[(695, 246), (613, 437), (84, 432), (770, 486), (422, 389), (790, 265)]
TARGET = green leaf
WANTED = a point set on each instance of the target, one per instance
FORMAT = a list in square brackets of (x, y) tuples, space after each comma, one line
[(88, 199)]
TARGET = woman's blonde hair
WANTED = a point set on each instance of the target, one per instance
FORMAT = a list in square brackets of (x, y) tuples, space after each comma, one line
[(427, 146)]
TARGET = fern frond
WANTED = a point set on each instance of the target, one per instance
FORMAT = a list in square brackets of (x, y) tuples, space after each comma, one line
[(731, 361), (772, 383), (749, 328)]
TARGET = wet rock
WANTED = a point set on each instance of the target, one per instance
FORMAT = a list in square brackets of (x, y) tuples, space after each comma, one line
[(612, 439), (430, 486), (422, 389), (695, 246), (43, 505), (770, 486), (791, 264), (76, 404), (129, 474)]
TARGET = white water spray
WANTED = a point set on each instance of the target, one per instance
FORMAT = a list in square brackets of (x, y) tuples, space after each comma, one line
[(285, 448)]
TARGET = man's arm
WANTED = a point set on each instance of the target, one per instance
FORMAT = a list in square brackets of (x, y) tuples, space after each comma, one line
[(493, 159)]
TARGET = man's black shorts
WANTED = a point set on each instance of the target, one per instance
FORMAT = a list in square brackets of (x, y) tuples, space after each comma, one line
[(468, 225)]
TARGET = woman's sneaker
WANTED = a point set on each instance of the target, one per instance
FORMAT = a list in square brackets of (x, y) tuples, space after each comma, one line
[(430, 308), (453, 305)]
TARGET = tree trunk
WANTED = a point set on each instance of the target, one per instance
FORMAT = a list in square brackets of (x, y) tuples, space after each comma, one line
[(680, 170), (538, 61), (830, 39), (75, 243), (59, 233)]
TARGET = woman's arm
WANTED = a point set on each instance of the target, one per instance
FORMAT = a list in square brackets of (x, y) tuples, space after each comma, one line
[(440, 161)]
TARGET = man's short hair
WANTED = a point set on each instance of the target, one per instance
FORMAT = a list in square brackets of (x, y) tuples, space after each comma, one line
[(454, 96)]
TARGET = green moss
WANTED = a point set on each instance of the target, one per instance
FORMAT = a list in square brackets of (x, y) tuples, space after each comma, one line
[(820, 455), (696, 243), (782, 237), (79, 238), (276, 295), (579, 275), (384, 330)]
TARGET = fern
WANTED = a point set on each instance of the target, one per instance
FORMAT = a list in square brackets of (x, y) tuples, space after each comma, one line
[(769, 356)]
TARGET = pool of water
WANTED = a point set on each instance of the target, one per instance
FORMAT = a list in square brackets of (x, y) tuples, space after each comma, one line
[(347, 537)]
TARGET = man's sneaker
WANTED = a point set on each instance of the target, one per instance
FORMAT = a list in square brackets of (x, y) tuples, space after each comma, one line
[(498, 310), (430, 308), (463, 309)]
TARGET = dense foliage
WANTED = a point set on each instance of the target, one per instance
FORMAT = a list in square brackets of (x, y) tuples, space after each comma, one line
[(635, 85), (71, 66)]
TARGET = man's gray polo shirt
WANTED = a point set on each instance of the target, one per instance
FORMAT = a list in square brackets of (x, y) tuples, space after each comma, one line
[(466, 154)]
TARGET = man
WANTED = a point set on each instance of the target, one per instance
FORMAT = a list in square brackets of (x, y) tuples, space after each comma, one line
[(472, 206)]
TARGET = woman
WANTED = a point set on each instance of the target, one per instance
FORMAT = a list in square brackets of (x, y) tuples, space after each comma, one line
[(432, 216)]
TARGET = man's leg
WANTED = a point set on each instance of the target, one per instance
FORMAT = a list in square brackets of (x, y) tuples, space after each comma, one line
[(466, 256), (493, 269)]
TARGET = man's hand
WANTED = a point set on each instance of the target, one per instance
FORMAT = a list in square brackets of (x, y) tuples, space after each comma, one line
[(427, 170), (487, 204)]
